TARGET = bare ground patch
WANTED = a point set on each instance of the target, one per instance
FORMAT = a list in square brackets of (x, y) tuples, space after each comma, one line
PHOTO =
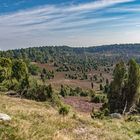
[(81, 104)]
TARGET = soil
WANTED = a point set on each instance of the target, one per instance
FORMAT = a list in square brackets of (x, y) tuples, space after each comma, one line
[(82, 104)]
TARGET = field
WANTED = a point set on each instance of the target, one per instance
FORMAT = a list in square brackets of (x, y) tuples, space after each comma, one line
[(39, 121), (60, 79)]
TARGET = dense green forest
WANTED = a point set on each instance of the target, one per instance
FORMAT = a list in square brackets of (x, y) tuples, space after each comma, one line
[(77, 62), (111, 53)]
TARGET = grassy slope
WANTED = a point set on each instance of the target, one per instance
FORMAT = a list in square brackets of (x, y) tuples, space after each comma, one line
[(39, 121)]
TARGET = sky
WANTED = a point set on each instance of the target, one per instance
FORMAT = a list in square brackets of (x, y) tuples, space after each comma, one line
[(82, 23)]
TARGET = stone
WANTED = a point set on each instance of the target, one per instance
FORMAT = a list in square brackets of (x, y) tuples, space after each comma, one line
[(116, 115), (4, 117)]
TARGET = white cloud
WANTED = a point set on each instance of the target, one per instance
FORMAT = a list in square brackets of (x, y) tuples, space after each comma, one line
[(55, 24), (97, 4)]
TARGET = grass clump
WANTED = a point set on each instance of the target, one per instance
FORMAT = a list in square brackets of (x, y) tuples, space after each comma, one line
[(64, 110)]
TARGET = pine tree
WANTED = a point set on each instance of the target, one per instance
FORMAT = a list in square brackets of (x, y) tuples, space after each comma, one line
[(116, 88), (124, 95), (133, 86)]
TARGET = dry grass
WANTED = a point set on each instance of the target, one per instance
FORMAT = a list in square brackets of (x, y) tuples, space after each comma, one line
[(39, 121)]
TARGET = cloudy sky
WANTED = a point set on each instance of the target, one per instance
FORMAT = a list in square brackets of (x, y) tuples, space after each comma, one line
[(28, 23)]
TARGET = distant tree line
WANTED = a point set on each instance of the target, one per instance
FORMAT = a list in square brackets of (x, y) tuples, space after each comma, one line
[(69, 58)]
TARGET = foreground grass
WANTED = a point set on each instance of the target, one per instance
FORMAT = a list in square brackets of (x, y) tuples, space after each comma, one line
[(39, 121)]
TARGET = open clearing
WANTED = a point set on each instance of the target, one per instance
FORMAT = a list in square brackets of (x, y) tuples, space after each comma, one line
[(59, 78)]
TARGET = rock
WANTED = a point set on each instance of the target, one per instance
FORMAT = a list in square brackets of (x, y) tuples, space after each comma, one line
[(116, 115), (4, 117), (11, 93)]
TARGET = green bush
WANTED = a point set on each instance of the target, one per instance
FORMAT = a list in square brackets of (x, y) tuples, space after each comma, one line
[(73, 92), (99, 114), (12, 84), (12, 71), (64, 110), (91, 93), (84, 93), (99, 98), (68, 91), (132, 118), (78, 92), (3, 89), (63, 91), (38, 92), (33, 69)]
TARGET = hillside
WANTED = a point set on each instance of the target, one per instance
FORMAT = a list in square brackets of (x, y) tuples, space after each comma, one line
[(33, 120), (100, 54), (72, 93)]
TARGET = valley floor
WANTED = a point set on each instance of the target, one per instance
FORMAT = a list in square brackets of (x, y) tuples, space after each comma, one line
[(39, 121)]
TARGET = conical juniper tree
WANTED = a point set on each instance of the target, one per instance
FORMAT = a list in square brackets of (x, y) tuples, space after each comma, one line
[(116, 88), (124, 93), (133, 85)]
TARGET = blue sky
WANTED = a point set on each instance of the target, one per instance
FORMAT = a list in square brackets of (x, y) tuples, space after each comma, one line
[(28, 23)]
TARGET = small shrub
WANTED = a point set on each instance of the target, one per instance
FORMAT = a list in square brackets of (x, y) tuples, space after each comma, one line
[(64, 110), (56, 101), (33, 69), (3, 89), (74, 116), (78, 92), (99, 98), (97, 115), (106, 112), (12, 84), (132, 118), (63, 91), (137, 132), (39, 92), (84, 94), (91, 93)]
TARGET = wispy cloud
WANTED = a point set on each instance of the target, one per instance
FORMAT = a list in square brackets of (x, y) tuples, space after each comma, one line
[(96, 5), (56, 22)]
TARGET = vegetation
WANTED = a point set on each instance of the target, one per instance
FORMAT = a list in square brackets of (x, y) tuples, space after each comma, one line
[(64, 110), (77, 59), (12, 73), (14, 76), (99, 98), (34, 120), (33, 69), (24, 72), (68, 91), (124, 91)]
